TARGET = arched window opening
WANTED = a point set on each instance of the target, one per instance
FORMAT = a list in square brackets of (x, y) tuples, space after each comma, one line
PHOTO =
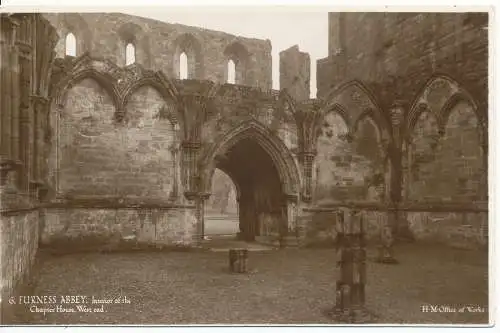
[(183, 66), (231, 72), (70, 45), (129, 54)]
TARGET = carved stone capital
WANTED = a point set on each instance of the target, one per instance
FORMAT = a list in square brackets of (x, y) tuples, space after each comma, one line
[(397, 112), (190, 195), (290, 198), (6, 166), (191, 144), (119, 115), (309, 154), (39, 102)]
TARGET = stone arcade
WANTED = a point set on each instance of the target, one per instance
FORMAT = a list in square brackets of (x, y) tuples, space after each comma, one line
[(114, 138)]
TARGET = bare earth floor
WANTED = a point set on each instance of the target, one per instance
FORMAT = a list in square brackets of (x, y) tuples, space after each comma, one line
[(288, 286)]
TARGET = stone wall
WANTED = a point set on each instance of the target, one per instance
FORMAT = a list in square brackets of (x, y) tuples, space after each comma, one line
[(158, 46), (295, 73), (466, 229), (92, 155), (449, 166), (345, 168), (404, 50), (19, 235), (432, 68), (26, 57), (79, 226)]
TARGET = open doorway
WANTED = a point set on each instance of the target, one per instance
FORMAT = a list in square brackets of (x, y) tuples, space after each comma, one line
[(221, 209)]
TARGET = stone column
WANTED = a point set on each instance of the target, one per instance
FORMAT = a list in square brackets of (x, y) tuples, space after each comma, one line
[(190, 151), (288, 231), (350, 287), (6, 96), (397, 219), (6, 162), (307, 116), (40, 105), (174, 150), (56, 154), (25, 117), (16, 95), (306, 159)]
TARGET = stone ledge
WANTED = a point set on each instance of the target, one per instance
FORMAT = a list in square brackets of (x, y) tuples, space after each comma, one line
[(114, 203), (467, 207)]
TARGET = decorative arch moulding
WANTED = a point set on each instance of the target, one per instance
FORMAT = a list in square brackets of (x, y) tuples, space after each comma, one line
[(121, 82), (252, 129)]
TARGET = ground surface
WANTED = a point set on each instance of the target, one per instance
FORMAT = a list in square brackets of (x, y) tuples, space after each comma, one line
[(284, 287)]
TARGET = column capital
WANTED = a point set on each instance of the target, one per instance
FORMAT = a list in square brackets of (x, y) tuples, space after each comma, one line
[(397, 111), (290, 198), (307, 153), (191, 144), (39, 100)]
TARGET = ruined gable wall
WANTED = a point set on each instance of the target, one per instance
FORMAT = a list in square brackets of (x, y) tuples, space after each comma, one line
[(157, 43)]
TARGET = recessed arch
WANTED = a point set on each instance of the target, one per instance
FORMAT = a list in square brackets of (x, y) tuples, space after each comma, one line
[(358, 85), (459, 97), (338, 110), (189, 45), (275, 148), (415, 115), (104, 80), (237, 54), (367, 115), (164, 87), (132, 33), (457, 94), (75, 24)]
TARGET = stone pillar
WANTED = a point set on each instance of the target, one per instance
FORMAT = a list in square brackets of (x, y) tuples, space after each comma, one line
[(40, 105), (306, 159), (350, 287), (295, 72), (16, 95), (56, 154), (174, 150), (200, 217), (190, 151), (8, 69), (288, 231), (399, 225), (6, 95), (25, 117), (307, 116)]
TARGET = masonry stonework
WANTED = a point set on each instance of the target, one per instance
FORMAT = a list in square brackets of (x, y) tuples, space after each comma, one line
[(430, 71), (159, 44), (99, 154)]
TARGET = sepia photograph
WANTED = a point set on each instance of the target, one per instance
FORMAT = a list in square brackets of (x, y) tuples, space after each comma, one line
[(245, 166)]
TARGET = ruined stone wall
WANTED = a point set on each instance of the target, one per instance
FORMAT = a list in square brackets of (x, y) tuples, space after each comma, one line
[(26, 56), (19, 235), (406, 49), (158, 46), (460, 229), (96, 157), (346, 168), (295, 73), (435, 67), (109, 227)]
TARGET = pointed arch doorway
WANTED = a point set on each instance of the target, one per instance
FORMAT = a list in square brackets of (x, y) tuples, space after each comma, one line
[(265, 176)]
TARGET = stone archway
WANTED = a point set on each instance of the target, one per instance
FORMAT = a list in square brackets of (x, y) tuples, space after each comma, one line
[(266, 175)]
